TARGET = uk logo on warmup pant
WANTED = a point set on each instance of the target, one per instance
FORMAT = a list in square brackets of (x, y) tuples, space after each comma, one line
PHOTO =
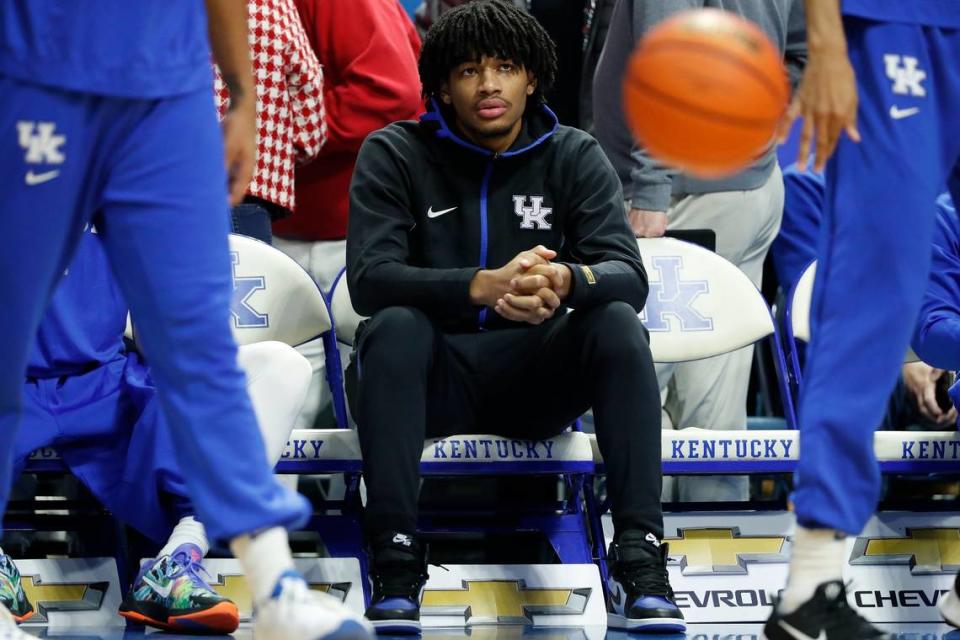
[(244, 315), (43, 147), (673, 297), (534, 216), (41, 142), (906, 74)]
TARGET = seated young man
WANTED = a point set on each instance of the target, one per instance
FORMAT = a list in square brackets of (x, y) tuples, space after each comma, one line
[(86, 395), (472, 233)]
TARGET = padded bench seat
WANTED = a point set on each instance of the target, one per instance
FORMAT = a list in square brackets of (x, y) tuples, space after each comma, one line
[(689, 451), (338, 450), (696, 451)]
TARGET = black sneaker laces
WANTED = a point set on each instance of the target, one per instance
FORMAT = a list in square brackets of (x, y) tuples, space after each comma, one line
[(645, 577), (399, 579)]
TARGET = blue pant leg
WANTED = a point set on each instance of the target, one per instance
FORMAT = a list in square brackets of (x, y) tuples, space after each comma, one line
[(251, 219), (164, 225), (45, 178), (874, 257)]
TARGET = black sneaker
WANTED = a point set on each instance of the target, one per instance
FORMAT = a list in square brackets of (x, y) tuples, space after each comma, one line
[(398, 573), (825, 616), (641, 598)]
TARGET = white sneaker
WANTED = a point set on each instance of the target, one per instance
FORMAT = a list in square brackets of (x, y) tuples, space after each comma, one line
[(9, 629), (295, 612), (950, 604)]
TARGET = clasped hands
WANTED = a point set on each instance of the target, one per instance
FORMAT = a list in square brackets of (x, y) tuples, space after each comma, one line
[(529, 288)]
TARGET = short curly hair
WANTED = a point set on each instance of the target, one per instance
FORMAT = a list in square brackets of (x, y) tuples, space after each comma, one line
[(487, 28)]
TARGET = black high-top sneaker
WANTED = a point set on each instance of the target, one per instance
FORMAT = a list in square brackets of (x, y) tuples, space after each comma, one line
[(398, 573), (641, 598), (825, 616)]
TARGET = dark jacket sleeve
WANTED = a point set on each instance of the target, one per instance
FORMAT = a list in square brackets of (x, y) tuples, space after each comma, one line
[(378, 275), (599, 244), (937, 336)]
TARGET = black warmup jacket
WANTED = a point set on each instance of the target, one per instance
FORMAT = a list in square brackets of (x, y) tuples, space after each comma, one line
[(428, 209)]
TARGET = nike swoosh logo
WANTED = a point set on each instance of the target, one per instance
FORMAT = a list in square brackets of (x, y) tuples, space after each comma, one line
[(800, 635), (617, 597), (163, 592), (436, 214), (34, 179), (899, 114)]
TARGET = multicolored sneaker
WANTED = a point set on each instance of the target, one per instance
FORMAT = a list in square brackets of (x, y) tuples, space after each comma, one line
[(170, 594), (12, 595)]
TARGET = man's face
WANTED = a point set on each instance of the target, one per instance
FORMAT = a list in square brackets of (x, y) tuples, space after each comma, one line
[(489, 98)]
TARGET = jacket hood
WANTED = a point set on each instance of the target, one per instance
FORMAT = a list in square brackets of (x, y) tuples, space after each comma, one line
[(539, 123)]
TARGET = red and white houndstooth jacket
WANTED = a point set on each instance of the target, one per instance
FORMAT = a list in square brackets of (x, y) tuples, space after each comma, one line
[(290, 115)]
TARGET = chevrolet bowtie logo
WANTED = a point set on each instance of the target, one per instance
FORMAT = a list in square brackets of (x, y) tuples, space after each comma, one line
[(235, 588), (502, 602), (64, 597), (925, 551), (709, 551)]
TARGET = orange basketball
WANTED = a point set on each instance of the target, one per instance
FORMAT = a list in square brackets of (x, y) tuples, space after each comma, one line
[(704, 91)]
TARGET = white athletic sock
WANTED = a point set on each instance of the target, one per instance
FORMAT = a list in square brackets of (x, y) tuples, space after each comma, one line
[(187, 530), (264, 557), (818, 556)]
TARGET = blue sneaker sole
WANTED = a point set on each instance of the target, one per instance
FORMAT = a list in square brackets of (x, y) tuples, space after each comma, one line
[(397, 627), (646, 625), (349, 630)]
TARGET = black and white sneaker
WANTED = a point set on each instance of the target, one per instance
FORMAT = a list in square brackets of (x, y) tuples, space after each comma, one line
[(825, 616), (398, 573), (950, 604), (641, 598)]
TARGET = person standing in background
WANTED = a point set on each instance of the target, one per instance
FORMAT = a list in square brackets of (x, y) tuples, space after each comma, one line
[(744, 210), (369, 50), (595, 35), (291, 125)]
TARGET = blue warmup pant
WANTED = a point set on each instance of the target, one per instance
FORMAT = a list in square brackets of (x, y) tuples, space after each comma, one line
[(874, 259), (150, 174), (107, 425)]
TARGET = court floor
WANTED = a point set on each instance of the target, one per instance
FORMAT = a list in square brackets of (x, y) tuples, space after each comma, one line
[(695, 632)]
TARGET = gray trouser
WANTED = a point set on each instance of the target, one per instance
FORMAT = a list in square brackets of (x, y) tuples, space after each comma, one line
[(712, 393), (323, 261)]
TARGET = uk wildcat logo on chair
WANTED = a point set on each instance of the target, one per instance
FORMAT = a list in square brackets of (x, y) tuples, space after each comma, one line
[(687, 317), (273, 297), (671, 299)]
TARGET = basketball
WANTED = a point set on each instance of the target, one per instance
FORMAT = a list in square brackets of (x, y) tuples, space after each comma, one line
[(704, 91)]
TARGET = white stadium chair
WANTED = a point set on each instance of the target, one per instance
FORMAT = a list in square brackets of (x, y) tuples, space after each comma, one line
[(273, 297), (700, 306), (798, 323)]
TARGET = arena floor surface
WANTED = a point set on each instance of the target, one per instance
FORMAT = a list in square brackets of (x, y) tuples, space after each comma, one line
[(694, 632)]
